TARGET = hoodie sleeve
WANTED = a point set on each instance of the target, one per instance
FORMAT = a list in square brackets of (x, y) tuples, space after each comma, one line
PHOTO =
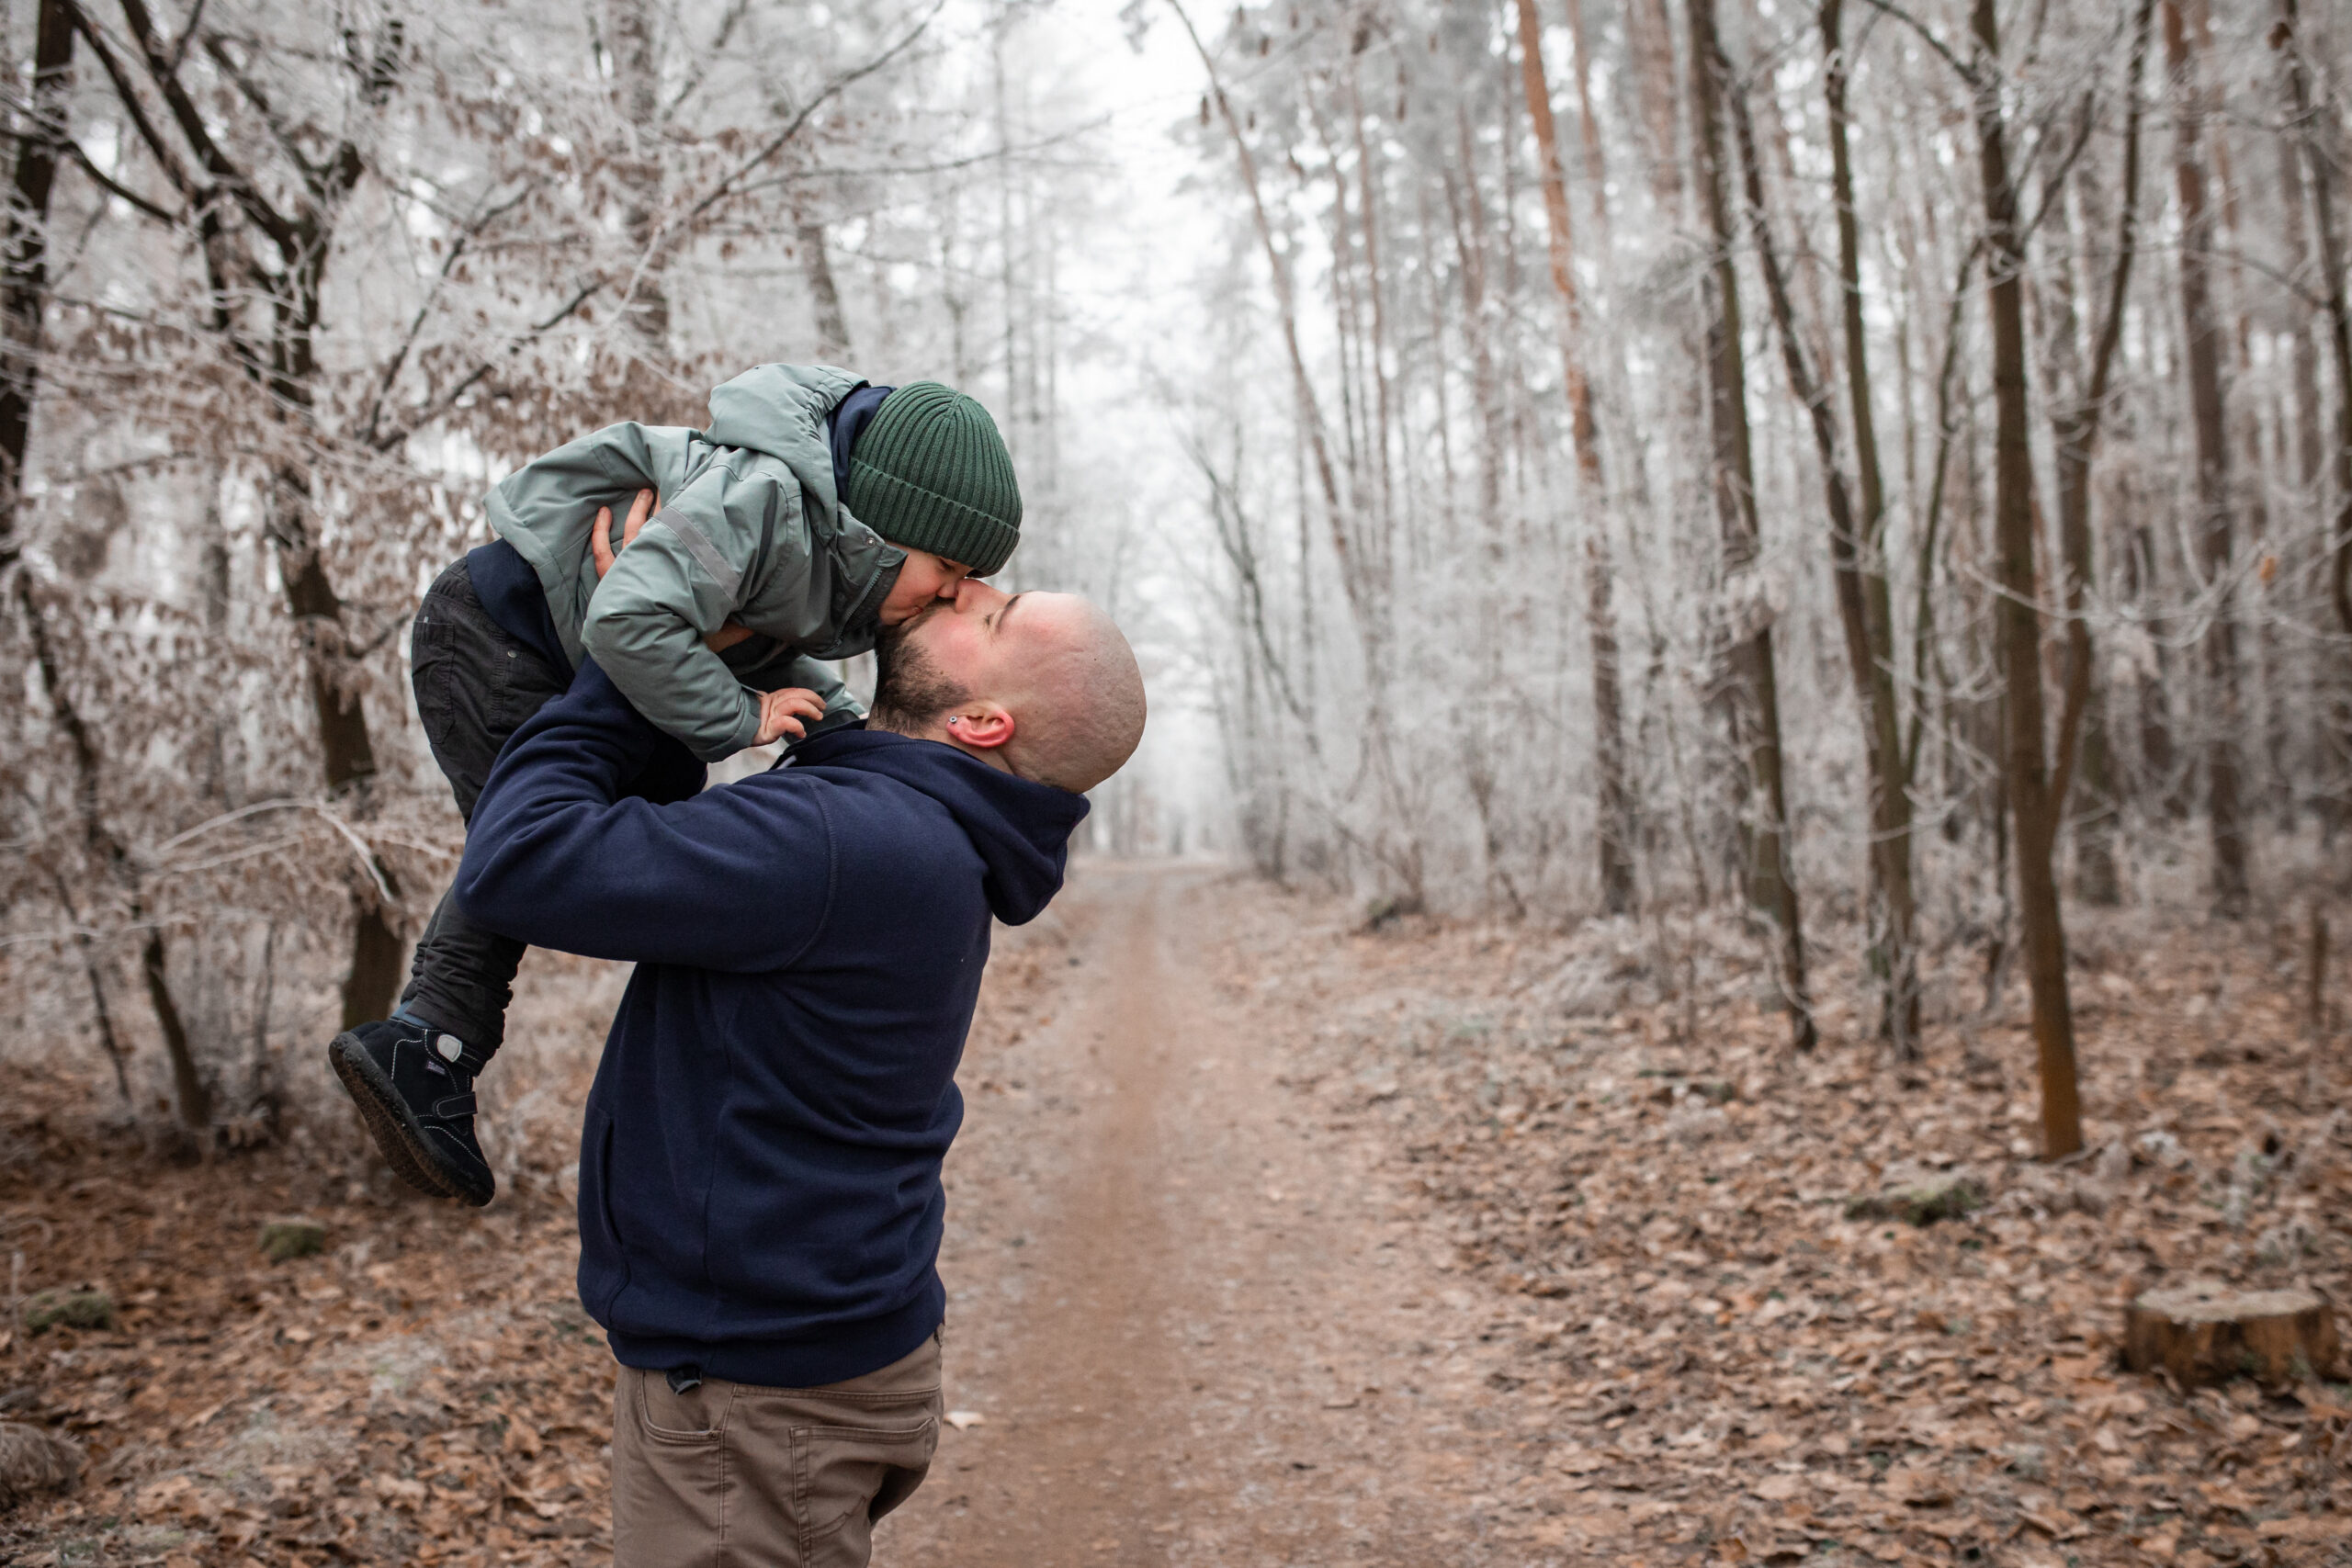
[(736, 879), (677, 582)]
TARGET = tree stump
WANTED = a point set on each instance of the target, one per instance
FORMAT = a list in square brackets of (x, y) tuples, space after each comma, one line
[(2206, 1332)]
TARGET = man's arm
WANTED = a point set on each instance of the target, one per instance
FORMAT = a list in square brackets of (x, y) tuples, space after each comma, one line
[(734, 879)]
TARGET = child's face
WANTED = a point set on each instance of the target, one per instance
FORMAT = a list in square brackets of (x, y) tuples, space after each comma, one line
[(924, 578)]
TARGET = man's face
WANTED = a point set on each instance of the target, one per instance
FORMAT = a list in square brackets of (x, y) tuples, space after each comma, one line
[(928, 664), (962, 648), (1040, 685)]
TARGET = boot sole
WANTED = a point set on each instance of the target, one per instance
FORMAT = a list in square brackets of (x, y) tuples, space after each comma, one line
[(406, 1146)]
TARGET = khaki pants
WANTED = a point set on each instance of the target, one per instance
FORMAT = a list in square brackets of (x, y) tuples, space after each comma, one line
[(728, 1475)]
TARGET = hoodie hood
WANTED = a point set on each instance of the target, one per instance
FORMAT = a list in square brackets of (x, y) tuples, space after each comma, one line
[(1020, 829), (781, 409)]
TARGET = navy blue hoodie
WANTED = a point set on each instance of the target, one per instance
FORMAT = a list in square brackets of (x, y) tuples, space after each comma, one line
[(759, 1172)]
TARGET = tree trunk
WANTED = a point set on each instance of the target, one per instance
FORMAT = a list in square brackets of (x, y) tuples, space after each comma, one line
[(2075, 430), (2033, 792), (2307, 419), (24, 289), (1008, 262), (1614, 814), (346, 750), (110, 1041), (1750, 690), (2310, 409), (1375, 349), (1470, 233), (1882, 716), (2321, 165), (637, 71), (1596, 164), (193, 1096), (2253, 682), (1620, 828), (1649, 28), (817, 268), (1869, 668), (2315, 977), (2202, 331)]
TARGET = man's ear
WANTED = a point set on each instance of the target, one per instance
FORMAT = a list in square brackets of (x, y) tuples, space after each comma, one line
[(981, 726)]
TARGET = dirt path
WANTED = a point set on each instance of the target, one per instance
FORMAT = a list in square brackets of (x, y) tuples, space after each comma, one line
[(1181, 1310)]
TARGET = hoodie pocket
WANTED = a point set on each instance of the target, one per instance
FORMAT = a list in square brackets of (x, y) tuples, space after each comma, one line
[(597, 1212)]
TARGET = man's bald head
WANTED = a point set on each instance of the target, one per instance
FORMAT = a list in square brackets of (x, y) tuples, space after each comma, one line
[(1042, 685)]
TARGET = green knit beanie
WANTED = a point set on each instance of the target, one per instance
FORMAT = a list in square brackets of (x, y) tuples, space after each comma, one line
[(931, 473)]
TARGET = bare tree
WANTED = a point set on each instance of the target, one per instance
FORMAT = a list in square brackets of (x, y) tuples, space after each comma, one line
[(2313, 132), (2215, 529), (1614, 814), (2075, 423), (637, 84), (265, 259), (2035, 788), (1749, 697)]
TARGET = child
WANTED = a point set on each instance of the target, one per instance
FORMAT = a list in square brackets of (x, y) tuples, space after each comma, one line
[(814, 511)]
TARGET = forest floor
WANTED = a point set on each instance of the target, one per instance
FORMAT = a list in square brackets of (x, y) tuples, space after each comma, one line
[(1274, 1239)]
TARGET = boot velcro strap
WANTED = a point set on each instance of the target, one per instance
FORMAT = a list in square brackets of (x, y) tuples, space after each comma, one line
[(469, 1060), (455, 1105)]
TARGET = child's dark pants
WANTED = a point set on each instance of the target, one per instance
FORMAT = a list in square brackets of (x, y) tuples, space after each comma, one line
[(475, 687), (477, 684)]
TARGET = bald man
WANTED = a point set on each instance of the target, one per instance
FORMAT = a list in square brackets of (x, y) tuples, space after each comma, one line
[(760, 1198)]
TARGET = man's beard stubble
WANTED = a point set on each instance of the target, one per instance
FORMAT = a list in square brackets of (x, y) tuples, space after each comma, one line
[(911, 691)]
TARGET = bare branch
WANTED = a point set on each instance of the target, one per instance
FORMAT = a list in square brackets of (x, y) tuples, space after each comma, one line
[(190, 121), (1965, 71), (449, 399), (187, 35), (457, 246), (133, 104), (216, 50), (728, 23), (115, 188), (830, 90)]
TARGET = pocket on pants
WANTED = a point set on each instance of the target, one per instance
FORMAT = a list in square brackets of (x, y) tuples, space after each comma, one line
[(432, 672), (696, 1417), (845, 1478), (670, 1484), (461, 672)]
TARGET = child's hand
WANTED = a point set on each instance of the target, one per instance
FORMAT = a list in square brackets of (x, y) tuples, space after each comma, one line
[(600, 544), (600, 537), (781, 713)]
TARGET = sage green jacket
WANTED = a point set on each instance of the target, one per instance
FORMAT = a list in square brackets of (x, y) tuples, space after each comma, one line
[(749, 527)]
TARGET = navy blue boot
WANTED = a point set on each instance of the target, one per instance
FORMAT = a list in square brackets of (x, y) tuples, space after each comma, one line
[(414, 1088)]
